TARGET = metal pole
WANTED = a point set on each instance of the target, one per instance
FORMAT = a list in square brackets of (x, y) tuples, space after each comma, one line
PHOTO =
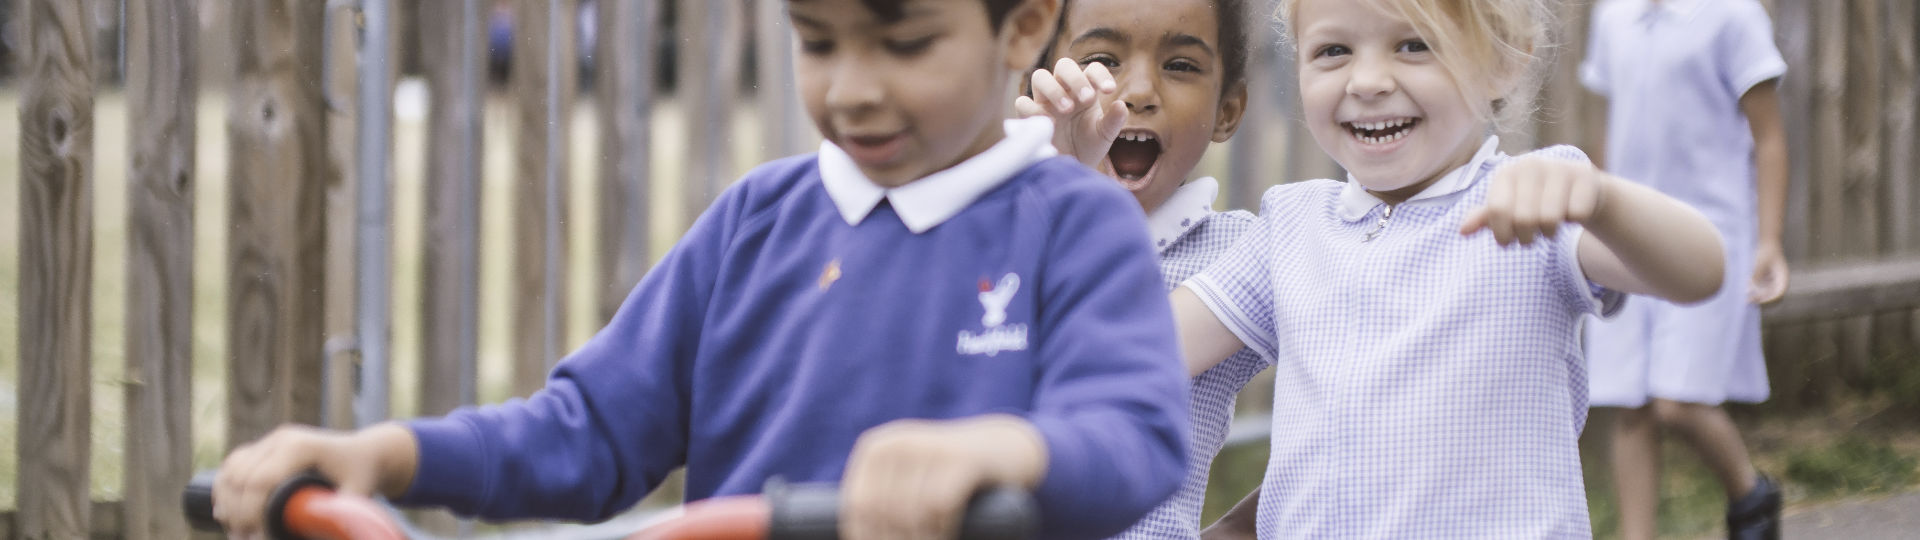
[(373, 131), (550, 282)]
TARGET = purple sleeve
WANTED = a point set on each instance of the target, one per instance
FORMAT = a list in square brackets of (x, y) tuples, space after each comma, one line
[(611, 421), (1112, 397)]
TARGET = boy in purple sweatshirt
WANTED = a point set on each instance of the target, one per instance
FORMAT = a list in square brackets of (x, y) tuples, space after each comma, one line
[(930, 305)]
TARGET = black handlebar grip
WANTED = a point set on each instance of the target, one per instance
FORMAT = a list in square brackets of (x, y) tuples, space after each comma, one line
[(812, 512), (1001, 513), (196, 500)]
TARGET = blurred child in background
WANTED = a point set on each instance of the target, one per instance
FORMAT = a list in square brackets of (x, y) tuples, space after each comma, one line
[(1694, 113)]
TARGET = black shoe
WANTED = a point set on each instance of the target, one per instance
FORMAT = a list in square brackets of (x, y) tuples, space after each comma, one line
[(1756, 515)]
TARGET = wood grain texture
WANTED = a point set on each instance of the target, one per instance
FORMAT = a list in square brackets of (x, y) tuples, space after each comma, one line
[(708, 81), (278, 173), (540, 165), (162, 84), (56, 268), (452, 46), (625, 66)]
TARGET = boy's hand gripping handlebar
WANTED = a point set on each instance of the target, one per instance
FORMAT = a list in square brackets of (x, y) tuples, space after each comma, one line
[(305, 506)]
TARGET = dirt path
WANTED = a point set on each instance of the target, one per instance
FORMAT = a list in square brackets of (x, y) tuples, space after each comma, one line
[(1891, 516)]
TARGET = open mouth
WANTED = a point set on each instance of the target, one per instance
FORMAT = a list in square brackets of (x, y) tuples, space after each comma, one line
[(874, 150), (1382, 131), (1133, 155)]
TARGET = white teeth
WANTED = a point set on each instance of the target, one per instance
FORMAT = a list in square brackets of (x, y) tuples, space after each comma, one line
[(1136, 137), (1381, 139), (1384, 124)]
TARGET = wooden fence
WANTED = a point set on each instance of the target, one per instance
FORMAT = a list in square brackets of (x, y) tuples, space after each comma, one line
[(1850, 100)]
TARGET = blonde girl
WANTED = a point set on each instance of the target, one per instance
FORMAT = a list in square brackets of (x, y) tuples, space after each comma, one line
[(1422, 314)]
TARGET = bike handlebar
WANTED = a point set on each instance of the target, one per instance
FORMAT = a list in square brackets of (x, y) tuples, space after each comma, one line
[(307, 507)]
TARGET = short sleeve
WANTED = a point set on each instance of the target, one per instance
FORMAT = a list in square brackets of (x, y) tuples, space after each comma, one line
[(1745, 51), (1593, 68), (1582, 294), (1238, 287)]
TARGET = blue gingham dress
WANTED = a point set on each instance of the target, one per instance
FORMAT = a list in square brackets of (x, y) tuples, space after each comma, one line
[(1190, 235), (1433, 384)]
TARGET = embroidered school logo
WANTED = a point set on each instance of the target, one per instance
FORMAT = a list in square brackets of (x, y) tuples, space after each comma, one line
[(995, 300), (996, 337)]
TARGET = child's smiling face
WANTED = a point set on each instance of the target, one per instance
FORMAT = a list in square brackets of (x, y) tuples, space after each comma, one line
[(1378, 99), (1166, 59), (909, 97)]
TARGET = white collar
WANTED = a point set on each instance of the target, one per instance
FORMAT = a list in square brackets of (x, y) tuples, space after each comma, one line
[(933, 199), (1355, 201), (1188, 205), (1683, 9)]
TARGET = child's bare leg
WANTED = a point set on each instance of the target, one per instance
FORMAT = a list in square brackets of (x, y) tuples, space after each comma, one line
[(1714, 436), (1636, 471)]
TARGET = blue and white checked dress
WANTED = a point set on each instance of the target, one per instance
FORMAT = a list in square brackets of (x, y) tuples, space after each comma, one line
[(1433, 384), (1190, 235)]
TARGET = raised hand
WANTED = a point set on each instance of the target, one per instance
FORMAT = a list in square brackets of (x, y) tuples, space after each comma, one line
[(1086, 118)]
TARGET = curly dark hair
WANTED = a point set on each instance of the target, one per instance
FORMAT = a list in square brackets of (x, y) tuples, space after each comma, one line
[(892, 10), (1234, 48)]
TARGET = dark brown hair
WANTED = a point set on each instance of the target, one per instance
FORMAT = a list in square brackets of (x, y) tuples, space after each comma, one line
[(1230, 17)]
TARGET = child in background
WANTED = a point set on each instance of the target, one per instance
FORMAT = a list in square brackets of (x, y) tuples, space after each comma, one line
[(1694, 113), (928, 307), (1142, 89), (1423, 314)]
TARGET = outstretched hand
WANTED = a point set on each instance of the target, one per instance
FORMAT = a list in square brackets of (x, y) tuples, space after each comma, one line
[(1086, 118), (1532, 196)]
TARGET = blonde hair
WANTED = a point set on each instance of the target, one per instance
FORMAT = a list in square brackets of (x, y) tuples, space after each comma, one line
[(1495, 48)]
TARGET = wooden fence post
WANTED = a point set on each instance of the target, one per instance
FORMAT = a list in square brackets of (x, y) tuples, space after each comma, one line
[(161, 83), (707, 84), (624, 74), (452, 47), (1569, 113), (785, 128), (277, 177), (542, 73), (1894, 340), (1903, 136), (56, 268), (1263, 125), (1902, 112)]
